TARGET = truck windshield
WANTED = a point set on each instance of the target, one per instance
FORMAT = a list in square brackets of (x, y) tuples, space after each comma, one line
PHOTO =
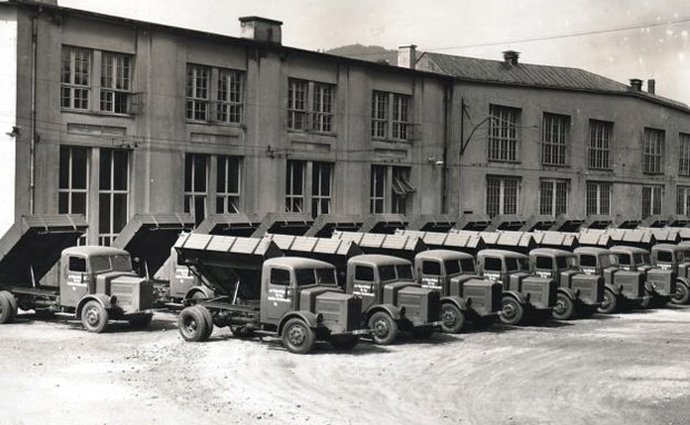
[(404, 271), (467, 265), (305, 277), (564, 262), (516, 264), (641, 259), (325, 276), (121, 263), (607, 260), (387, 273), (452, 266)]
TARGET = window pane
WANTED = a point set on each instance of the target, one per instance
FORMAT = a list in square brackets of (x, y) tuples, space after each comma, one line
[(120, 170), (119, 212), (199, 173), (78, 203), (79, 176), (106, 169), (104, 213)]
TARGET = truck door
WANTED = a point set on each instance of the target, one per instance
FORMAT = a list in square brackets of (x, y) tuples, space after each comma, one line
[(364, 285), (74, 282), (431, 276), (280, 294)]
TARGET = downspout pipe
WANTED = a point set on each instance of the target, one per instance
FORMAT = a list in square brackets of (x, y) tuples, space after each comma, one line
[(32, 135), (447, 115)]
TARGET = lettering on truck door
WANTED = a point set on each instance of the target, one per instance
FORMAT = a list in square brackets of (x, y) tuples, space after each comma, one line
[(279, 296), (75, 282), (364, 285)]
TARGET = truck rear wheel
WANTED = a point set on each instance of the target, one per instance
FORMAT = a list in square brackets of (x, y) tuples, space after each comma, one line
[(8, 307), (610, 304), (384, 328), (209, 320), (94, 317), (512, 312), (682, 294), (192, 324), (298, 337), (453, 319), (564, 308), (344, 343)]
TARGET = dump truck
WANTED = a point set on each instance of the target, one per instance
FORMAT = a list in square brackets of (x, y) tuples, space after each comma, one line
[(526, 298), (622, 287), (260, 292), (660, 283), (452, 274), (579, 294), (94, 284), (677, 259)]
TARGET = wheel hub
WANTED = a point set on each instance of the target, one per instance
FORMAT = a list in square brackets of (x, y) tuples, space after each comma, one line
[(509, 311), (296, 336), (92, 317), (190, 325), (559, 307), (381, 328), (449, 318)]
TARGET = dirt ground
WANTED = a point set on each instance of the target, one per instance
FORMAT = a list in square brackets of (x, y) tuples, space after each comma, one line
[(631, 368)]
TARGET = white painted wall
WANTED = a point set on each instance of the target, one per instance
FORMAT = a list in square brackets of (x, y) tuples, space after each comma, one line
[(8, 114)]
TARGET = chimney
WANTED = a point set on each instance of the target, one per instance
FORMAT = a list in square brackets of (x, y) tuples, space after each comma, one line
[(636, 84), (651, 86), (510, 57), (261, 29), (407, 56)]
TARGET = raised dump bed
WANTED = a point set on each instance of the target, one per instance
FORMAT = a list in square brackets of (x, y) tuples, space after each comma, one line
[(284, 224), (678, 221), (384, 223), (556, 240), (568, 223), (668, 235), (640, 238), (325, 224), (507, 223), (626, 222), (433, 223), (655, 221), (596, 222), (538, 222), (229, 224), (521, 242), (466, 241), (374, 243), (473, 222), (594, 238)]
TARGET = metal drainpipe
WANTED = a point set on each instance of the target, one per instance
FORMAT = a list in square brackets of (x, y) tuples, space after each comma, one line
[(32, 145), (447, 110)]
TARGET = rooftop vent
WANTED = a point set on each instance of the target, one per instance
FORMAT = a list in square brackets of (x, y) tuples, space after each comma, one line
[(651, 86), (261, 29), (510, 57), (636, 84), (407, 56)]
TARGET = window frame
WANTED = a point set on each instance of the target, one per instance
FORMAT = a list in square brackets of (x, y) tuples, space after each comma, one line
[(116, 70), (600, 143), (229, 96), (198, 93), (555, 139), (652, 200), (72, 85), (503, 134), (595, 201), (653, 151), (684, 154), (225, 198), (190, 194), (391, 116), (501, 195), (378, 179), (682, 200), (111, 192), (555, 191), (321, 202)]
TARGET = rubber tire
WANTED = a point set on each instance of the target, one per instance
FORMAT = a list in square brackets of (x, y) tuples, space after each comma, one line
[(613, 306), (8, 309), (344, 343), (517, 307), (209, 320), (646, 301), (422, 332), (298, 337), (455, 316), (192, 324), (682, 294), (568, 309), (101, 322), (141, 321), (379, 321)]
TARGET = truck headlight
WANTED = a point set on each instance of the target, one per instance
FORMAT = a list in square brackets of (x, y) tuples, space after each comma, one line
[(113, 300)]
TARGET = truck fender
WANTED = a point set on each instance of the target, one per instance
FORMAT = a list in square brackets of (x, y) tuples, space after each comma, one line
[(308, 317), (205, 290), (613, 288), (684, 281), (103, 299), (389, 309), (569, 292), (516, 295), (457, 301)]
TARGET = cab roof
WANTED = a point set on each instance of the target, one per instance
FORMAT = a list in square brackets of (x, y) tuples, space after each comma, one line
[(592, 250), (499, 253), (94, 250), (378, 260), (443, 254), (551, 252), (624, 249), (297, 263), (669, 247)]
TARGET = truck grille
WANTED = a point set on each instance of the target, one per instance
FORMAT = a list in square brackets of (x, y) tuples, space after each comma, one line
[(664, 281), (591, 288), (542, 292), (632, 283), (421, 305), (483, 296)]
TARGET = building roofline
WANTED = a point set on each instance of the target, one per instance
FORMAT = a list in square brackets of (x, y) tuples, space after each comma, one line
[(244, 19)]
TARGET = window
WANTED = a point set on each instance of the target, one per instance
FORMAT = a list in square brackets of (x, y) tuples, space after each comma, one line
[(554, 135), (683, 200), (364, 273), (73, 184), (77, 264), (195, 186), (598, 198), (653, 151), (664, 256), (651, 200), (294, 186), (431, 268), (587, 260), (281, 277), (684, 155), (76, 78), (401, 189), (493, 264), (452, 266), (503, 134), (310, 106), (390, 122), (228, 184), (112, 194), (321, 175), (377, 192), (502, 195), (544, 263), (229, 96), (553, 197), (599, 144), (197, 104), (116, 71)]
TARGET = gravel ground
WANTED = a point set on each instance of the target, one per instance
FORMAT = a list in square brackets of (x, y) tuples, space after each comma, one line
[(631, 368)]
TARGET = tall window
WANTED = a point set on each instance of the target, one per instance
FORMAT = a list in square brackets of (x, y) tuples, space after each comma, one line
[(683, 200), (229, 96), (684, 155), (197, 104), (651, 200), (76, 78), (112, 194), (323, 107), (503, 133), (321, 177), (401, 190), (389, 122), (502, 195), (377, 189), (73, 185), (195, 186), (228, 184), (653, 151), (310, 106), (554, 136), (553, 197), (598, 198), (599, 144), (297, 104), (294, 186), (116, 71)]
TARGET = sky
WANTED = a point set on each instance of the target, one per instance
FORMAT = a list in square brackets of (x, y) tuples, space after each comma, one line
[(651, 37)]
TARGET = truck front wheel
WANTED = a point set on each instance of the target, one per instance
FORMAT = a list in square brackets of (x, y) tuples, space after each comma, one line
[(452, 318), (564, 308), (610, 304), (682, 294), (8, 307), (298, 338), (384, 328), (94, 317), (512, 311), (192, 325)]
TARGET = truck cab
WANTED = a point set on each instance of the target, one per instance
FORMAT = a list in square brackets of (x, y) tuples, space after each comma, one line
[(452, 273), (525, 296), (620, 286), (392, 300), (578, 294), (660, 283), (675, 258)]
